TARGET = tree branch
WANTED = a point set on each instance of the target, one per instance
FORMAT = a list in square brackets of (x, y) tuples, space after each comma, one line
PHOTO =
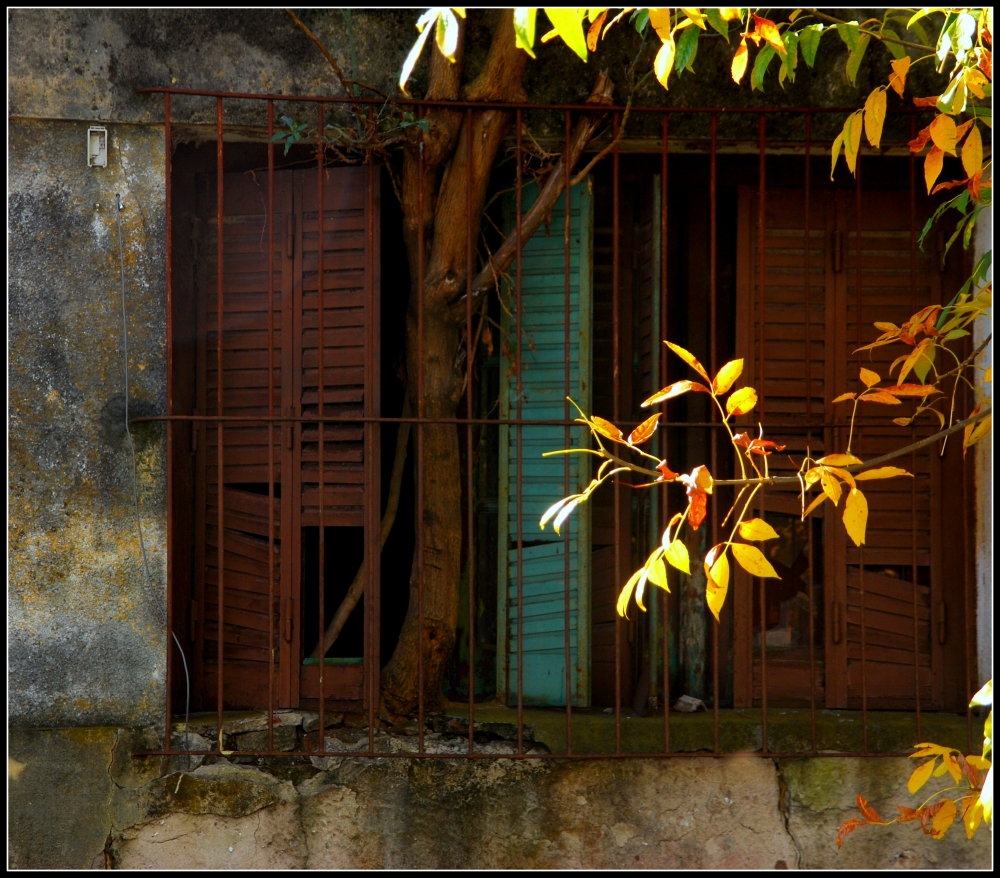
[(319, 45), (833, 20)]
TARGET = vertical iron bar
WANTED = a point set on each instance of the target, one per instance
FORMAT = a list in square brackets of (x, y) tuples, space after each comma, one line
[(664, 505), (566, 437), (419, 443), (373, 435), (469, 355), (761, 252), (714, 365), (168, 243), (913, 456), (321, 389), (270, 426), (520, 450), (220, 271), (807, 270), (861, 548), (968, 566), (616, 413)]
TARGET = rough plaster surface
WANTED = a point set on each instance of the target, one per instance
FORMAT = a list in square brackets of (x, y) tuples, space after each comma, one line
[(86, 633), (79, 798)]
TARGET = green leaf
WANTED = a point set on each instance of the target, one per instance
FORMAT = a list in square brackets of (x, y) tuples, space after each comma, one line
[(897, 51), (715, 19), (915, 27), (568, 23), (791, 59), (849, 33), (687, 48), (983, 114), (953, 100), (854, 61), (278, 137), (640, 19), (764, 57), (809, 38), (524, 29)]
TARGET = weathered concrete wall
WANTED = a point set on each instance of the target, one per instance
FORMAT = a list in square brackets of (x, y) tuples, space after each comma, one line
[(86, 631), (78, 798)]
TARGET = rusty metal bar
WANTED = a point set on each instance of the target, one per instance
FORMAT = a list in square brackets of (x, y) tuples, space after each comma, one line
[(861, 548), (321, 390), (169, 273), (807, 271), (373, 458), (616, 408), (220, 271), (270, 426), (520, 450), (761, 254), (664, 500), (567, 170), (470, 353), (419, 448), (713, 368)]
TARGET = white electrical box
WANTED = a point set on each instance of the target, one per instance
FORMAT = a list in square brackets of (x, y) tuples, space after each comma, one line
[(97, 147)]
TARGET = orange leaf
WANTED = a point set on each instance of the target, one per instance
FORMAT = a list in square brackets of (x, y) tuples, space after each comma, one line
[(847, 827), (951, 184), (907, 814), (607, 429), (666, 473), (943, 819), (739, 67), (880, 396), (675, 389), (769, 31), (900, 67), (690, 359), (595, 32), (975, 183), (844, 397), (920, 141), (911, 389), (646, 429), (699, 506), (925, 102), (871, 815), (727, 375), (944, 133), (869, 377), (932, 166)]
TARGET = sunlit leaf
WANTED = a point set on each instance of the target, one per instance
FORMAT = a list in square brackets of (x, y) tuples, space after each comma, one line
[(852, 139), (840, 460), (871, 815), (565, 511), (882, 397), (943, 819), (740, 59), (727, 375), (741, 401), (845, 397), (875, 108), (921, 390), (856, 516), (760, 64), (933, 164), (718, 23), (983, 698), (951, 764), (907, 814), (978, 761), (414, 56), (769, 31), (978, 432), (607, 429), (842, 474), (831, 487), (847, 827), (854, 60), (660, 20), (666, 473), (663, 63), (717, 572), (972, 152), (882, 472), (820, 499), (553, 509), (869, 378), (849, 33), (753, 561), (944, 133), (972, 815), (690, 359), (626, 592), (594, 33), (675, 389), (687, 48), (447, 32), (835, 152), (568, 23), (677, 556), (895, 49), (646, 429), (920, 776), (657, 570), (809, 38), (524, 29), (757, 529)]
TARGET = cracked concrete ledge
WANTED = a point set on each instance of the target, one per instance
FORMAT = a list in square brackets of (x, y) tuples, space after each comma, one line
[(78, 799)]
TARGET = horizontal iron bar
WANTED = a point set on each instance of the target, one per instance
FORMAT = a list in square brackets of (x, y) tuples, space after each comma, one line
[(704, 754), (498, 105)]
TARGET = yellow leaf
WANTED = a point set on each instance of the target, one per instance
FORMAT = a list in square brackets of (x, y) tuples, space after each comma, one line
[(972, 817), (988, 375), (869, 378), (845, 397), (831, 487), (852, 139), (839, 460), (672, 390), (842, 474), (690, 359), (835, 152), (978, 431), (932, 167), (950, 763), (594, 33), (574, 501), (740, 59), (856, 516), (728, 14), (657, 569), (696, 16), (920, 776), (813, 475), (815, 503), (644, 431), (678, 557), (757, 529), (900, 66), (553, 509), (875, 116), (943, 819), (727, 375), (944, 133), (972, 152), (660, 20), (974, 82), (717, 570), (569, 24), (741, 401), (753, 561), (882, 397), (663, 64), (607, 429), (629, 588), (882, 472)]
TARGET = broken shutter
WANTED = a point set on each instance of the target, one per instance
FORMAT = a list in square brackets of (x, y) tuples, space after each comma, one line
[(540, 576), (808, 359), (287, 325)]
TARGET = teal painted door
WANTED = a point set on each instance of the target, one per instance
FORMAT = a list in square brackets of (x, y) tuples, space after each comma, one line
[(538, 578)]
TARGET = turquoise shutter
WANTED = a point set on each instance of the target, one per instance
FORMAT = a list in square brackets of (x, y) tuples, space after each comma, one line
[(543, 392)]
